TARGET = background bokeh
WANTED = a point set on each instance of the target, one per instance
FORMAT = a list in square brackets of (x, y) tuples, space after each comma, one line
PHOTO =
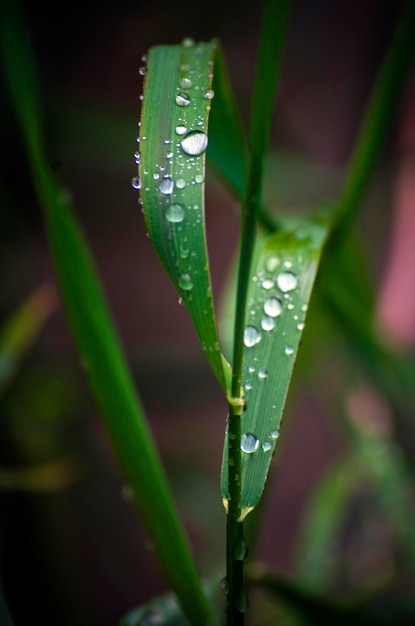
[(72, 549)]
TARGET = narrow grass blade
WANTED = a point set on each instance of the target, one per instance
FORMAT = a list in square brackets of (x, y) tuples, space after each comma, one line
[(280, 290), (98, 343), (173, 143), (20, 331), (321, 523)]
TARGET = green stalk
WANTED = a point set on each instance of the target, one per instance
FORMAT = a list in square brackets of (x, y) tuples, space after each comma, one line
[(98, 344), (271, 44)]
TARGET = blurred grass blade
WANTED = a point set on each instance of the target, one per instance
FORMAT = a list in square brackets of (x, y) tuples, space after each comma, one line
[(228, 149), (20, 331), (321, 523), (98, 343), (173, 142), (280, 290)]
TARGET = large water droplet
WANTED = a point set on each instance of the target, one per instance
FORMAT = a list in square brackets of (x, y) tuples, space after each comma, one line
[(136, 182), (262, 373), (252, 336), (175, 213), (194, 143), (267, 323), (289, 350), (182, 99), (273, 307), (166, 186), (185, 282), (287, 281), (249, 443)]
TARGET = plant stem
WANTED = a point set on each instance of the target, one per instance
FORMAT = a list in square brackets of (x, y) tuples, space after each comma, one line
[(271, 42)]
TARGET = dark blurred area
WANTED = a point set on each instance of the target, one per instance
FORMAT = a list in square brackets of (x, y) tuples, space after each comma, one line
[(72, 548)]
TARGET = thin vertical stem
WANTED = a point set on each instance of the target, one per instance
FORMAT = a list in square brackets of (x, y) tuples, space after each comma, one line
[(271, 43)]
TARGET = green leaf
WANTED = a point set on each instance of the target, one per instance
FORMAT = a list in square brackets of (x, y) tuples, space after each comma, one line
[(97, 340), (173, 142), (280, 290)]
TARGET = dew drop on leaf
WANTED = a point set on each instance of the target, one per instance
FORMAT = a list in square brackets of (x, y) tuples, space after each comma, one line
[(267, 323), (273, 307), (287, 281), (166, 186), (185, 83), (262, 373), (185, 282), (252, 336), (136, 182), (180, 183), (249, 443), (182, 99), (275, 433), (181, 130), (209, 94), (289, 350), (194, 143), (266, 446), (175, 213), (267, 283)]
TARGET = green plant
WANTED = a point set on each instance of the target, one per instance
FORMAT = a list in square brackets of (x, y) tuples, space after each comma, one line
[(280, 260)]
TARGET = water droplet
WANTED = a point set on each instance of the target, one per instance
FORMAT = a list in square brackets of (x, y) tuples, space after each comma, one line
[(275, 433), (300, 326), (185, 282), (267, 323), (248, 385), (209, 94), (287, 281), (182, 99), (199, 178), (185, 83), (181, 130), (224, 585), (142, 71), (136, 182), (262, 373), (137, 157), (194, 143), (166, 186), (267, 283), (287, 264), (188, 42), (273, 307), (251, 369), (251, 336), (290, 306), (289, 350), (272, 263), (304, 307), (180, 183), (266, 446), (242, 601), (241, 550), (169, 155), (183, 250), (156, 176), (249, 443), (175, 213), (141, 97)]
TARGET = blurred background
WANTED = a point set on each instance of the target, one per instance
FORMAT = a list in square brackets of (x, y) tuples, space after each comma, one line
[(72, 549)]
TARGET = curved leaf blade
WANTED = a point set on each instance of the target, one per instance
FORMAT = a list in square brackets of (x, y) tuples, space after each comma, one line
[(173, 142), (280, 289)]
